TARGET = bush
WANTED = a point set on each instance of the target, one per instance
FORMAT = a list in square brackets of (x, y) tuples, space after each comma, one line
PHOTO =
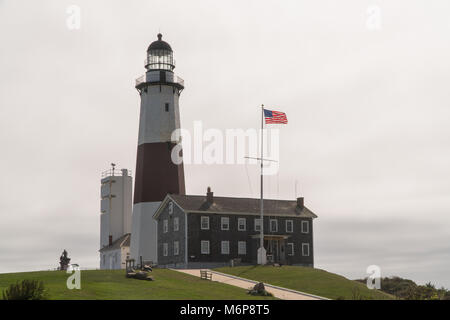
[(25, 290)]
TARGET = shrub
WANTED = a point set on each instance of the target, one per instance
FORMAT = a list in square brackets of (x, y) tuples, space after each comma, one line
[(25, 290)]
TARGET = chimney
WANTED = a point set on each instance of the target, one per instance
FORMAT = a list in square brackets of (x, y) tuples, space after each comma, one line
[(110, 240), (300, 203), (209, 195)]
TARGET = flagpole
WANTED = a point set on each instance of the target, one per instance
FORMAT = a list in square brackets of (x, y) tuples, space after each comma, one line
[(261, 239)]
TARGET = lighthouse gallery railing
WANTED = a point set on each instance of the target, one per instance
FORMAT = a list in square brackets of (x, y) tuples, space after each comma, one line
[(176, 79)]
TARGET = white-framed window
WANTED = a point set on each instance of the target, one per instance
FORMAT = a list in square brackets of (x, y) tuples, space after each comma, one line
[(242, 224), (204, 221), (225, 247), (242, 247), (176, 224), (170, 207), (273, 225), (176, 248), (290, 249), (258, 224), (225, 223), (165, 226), (165, 249), (204, 246), (289, 226), (305, 249), (305, 226)]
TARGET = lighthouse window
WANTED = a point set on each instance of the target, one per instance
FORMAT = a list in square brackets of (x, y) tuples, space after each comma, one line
[(167, 107)]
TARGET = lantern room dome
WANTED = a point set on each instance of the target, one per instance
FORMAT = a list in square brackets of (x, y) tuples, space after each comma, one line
[(159, 45)]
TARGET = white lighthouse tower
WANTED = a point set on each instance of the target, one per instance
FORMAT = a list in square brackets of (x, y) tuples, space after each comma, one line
[(156, 175)]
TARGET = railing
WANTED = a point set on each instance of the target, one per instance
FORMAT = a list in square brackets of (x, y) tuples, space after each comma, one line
[(176, 79), (140, 80), (179, 80), (117, 173)]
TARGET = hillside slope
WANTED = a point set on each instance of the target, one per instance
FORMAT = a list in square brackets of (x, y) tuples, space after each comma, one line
[(308, 280), (112, 284)]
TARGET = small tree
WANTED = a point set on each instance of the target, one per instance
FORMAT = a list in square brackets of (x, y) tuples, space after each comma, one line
[(25, 290)]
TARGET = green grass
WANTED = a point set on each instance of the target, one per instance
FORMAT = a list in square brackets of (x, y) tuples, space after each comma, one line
[(112, 284), (308, 280)]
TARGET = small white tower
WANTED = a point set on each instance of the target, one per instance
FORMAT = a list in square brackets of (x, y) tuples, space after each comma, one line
[(116, 211), (156, 174)]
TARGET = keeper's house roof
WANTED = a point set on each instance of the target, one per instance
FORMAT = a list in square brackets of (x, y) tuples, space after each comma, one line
[(123, 241), (230, 205)]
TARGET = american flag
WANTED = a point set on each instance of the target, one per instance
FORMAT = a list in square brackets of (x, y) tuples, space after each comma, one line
[(275, 117)]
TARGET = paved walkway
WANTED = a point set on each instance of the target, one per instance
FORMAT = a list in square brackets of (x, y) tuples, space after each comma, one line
[(278, 292)]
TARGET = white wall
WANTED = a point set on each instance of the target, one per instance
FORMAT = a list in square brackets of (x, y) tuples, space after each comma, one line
[(155, 124), (114, 259), (143, 233), (104, 229), (116, 208)]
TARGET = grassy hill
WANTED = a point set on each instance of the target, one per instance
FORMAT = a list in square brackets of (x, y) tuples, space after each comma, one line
[(309, 280), (112, 284)]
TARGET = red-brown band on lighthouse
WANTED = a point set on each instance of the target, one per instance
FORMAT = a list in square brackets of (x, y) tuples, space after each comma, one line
[(156, 174)]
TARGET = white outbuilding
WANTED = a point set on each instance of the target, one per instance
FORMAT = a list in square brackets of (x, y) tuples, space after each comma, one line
[(115, 255)]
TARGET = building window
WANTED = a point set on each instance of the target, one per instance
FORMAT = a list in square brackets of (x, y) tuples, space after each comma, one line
[(305, 226), (170, 207), (290, 249), (242, 224), (225, 223), (242, 247), (289, 226), (176, 248), (204, 246), (305, 249), (165, 249), (165, 226), (273, 225), (225, 247), (204, 223), (176, 224), (257, 224), (167, 107)]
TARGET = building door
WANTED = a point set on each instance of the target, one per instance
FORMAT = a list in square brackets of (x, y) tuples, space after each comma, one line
[(282, 251), (276, 251)]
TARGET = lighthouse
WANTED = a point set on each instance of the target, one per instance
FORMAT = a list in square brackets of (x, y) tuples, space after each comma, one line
[(156, 175)]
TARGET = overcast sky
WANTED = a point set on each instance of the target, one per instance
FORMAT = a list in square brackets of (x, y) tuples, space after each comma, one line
[(368, 138)]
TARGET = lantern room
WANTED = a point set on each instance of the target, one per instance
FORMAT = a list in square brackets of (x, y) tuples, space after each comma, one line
[(159, 56)]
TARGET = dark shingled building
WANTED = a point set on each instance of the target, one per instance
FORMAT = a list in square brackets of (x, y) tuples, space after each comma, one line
[(208, 231)]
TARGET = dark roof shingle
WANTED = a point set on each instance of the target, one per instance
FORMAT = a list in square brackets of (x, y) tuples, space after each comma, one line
[(191, 203)]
